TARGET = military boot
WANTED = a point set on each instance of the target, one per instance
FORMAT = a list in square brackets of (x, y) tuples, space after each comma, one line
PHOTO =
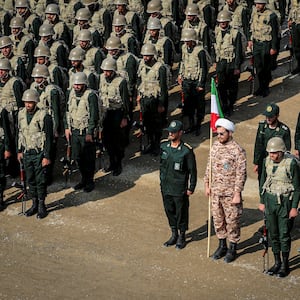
[(275, 268), (181, 243), (33, 209), (221, 250), (2, 204), (285, 269), (231, 253), (42, 211), (173, 239)]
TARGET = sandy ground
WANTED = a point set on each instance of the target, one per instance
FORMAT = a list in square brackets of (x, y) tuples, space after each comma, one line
[(108, 244)]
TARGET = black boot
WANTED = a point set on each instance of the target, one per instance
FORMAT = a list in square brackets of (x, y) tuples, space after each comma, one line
[(285, 269), (274, 270), (231, 253), (42, 211), (173, 239), (33, 209), (221, 250), (181, 243), (2, 204)]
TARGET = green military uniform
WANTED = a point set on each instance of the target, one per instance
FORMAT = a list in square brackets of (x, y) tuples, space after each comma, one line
[(178, 173), (297, 134)]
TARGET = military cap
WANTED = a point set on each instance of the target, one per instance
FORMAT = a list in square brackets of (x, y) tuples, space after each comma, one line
[(272, 110), (228, 125), (175, 126)]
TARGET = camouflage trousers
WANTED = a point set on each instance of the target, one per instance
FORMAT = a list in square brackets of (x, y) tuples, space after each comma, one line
[(226, 217)]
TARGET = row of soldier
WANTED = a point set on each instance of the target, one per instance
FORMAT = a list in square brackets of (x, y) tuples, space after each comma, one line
[(99, 91)]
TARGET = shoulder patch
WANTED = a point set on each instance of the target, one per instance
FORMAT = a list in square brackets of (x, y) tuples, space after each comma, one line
[(164, 140), (188, 145), (284, 127)]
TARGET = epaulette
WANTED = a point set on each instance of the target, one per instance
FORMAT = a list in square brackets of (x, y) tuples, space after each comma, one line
[(188, 145), (284, 127), (164, 140)]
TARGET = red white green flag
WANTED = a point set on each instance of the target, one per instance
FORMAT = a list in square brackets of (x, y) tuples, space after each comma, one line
[(215, 106)]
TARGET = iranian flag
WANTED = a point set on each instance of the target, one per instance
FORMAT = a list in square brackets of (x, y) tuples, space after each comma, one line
[(216, 111)]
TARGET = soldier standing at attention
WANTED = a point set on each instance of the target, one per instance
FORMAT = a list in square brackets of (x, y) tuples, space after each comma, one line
[(280, 192), (267, 129), (228, 173), (35, 140), (80, 125), (178, 178)]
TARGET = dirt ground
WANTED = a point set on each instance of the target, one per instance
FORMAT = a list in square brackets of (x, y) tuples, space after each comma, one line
[(108, 244)]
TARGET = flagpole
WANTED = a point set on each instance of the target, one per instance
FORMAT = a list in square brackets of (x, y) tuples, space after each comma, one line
[(209, 197)]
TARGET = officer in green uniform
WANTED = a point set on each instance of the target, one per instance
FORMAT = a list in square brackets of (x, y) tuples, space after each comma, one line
[(178, 178), (280, 192), (35, 139), (267, 129), (81, 122)]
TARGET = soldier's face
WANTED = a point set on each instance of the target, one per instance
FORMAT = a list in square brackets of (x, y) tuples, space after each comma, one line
[(79, 87), (30, 106), (41, 60), (260, 6), (38, 80), (118, 29), (16, 31), (21, 10), (6, 51), (223, 135), (46, 39), (108, 73), (75, 63), (271, 120), (147, 58), (153, 32), (84, 44), (223, 25), (189, 44), (175, 136), (3, 73), (155, 15), (51, 17), (82, 23), (191, 18), (121, 8), (276, 156), (230, 2), (113, 52)]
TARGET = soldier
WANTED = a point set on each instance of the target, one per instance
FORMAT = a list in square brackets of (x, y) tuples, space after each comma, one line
[(77, 56), (6, 14), (17, 64), (178, 178), (280, 192), (267, 129), (264, 30), (192, 77), (35, 138), (81, 122), (228, 176), (115, 98), (229, 57), (294, 25), (152, 96), (62, 32)]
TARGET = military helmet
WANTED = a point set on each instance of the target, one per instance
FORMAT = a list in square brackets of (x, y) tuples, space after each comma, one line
[(42, 51), (260, 1), (52, 9), (17, 22), (21, 3), (5, 41), (276, 144), (192, 10), (188, 34), (80, 78), (77, 54), (5, 64), (89, 2), (85, 35), (113, 43), (31, 95), (83, 14), (154, 6), (121, 2), (154, 23), (148, 49), (119, 20), (46, 30), (109, 64), (40, 71), (224, 16)]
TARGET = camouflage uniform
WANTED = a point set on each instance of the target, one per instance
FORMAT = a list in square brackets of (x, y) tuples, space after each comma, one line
[(228, 176)]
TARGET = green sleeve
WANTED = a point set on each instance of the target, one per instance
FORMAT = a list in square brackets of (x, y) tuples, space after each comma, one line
[(94, 113), (131, 68), (6, 128), (55, 104), (18, 92), (262, 181), (203, 64), (125, 97), (163, 98), (295, 173), (297, 134), (259, 148), (191, 164), (48, 129)]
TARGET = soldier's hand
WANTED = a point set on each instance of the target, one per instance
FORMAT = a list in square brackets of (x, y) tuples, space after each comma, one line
[(68, 133), (7, 154), (297, 153), (290, 22), (255, 169), (237, 72), (179, 80), (45, 162), (236, 198), (89, 138), (250, 45), (261, 207), (189, 193), (20, 156), (293, 213), (160, 109), (273, 51), (199, 89), (207, 190), (124, 123)]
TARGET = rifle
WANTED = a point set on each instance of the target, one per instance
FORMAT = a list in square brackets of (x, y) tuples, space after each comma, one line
[(67, 164), (100, 149), (289, 47), (250, 68), (23, 194), (140, 126), (264, 241)]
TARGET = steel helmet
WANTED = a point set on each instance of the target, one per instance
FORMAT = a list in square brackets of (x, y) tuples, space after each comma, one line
[(119, 20), (85, 35), (89, 2), (83, 14), (46, 30), (109, 64), (260, 1), (154, 23), (154, 6), (192, 10), (31, 95), (5, 64), (77, 54), (40, 71), (42, 51), (188, 34), (276, 144), (17, 22), (224, 16), (52, 9), (121, 2), (148, 49), (21, 3), (79, 78), (5, 41), (113, 43)]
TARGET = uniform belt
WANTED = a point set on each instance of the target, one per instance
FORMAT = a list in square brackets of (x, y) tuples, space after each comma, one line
[(79, 131), (33, 151)]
